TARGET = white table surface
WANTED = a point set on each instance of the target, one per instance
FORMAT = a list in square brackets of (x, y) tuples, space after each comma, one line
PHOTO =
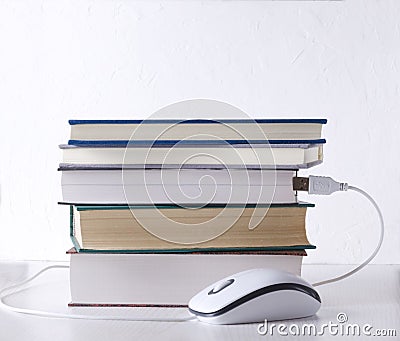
[(369, 297)]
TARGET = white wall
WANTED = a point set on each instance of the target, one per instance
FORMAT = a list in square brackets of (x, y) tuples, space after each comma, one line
[(125, 59)]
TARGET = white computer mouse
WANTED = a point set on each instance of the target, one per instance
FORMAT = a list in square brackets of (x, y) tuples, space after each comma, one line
[(255, 296)]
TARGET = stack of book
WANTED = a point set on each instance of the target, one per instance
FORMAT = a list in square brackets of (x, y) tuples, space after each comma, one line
[(159, 209)]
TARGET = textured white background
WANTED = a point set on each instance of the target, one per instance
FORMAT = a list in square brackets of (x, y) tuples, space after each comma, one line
[(126, 59)]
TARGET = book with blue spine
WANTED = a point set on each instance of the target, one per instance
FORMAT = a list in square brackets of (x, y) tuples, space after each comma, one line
[(175, 129)]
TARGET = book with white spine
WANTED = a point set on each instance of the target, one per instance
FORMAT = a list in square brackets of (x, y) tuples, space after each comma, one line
[(183, 186), (196, 154), (101, 279)]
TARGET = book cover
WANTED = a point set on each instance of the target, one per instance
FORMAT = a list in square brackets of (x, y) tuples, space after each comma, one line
[(203, 121), (196, 143)]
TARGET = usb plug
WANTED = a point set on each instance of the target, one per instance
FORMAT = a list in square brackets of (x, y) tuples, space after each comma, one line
[(322, 185)]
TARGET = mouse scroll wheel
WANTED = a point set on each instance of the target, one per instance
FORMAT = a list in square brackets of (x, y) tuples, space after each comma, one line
[(221, 286)]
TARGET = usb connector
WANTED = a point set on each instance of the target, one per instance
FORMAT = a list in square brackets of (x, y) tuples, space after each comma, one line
[(322, 185), (300, 183)]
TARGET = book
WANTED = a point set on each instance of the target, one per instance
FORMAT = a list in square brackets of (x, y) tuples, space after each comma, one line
[(165, 229), (170, 129), (196, 154), (172, 186), (104, 279)]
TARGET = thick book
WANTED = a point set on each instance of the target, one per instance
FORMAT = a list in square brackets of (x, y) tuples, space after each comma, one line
[(196, 154), (176, 186), (104, 279), (174, 129), (166, 229)]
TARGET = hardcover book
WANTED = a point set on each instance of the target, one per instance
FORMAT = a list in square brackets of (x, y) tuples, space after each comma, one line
[(104, 279), (166, 229), (195, 154), (176, 186), (170, 129)]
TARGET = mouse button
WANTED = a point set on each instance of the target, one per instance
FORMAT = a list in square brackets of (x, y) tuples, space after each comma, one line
[(221, 286)]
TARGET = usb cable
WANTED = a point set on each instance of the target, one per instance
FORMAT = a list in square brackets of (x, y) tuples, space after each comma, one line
[(323, 185)]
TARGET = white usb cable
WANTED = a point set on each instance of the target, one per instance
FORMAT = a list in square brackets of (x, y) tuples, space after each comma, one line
[(323, 185)]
